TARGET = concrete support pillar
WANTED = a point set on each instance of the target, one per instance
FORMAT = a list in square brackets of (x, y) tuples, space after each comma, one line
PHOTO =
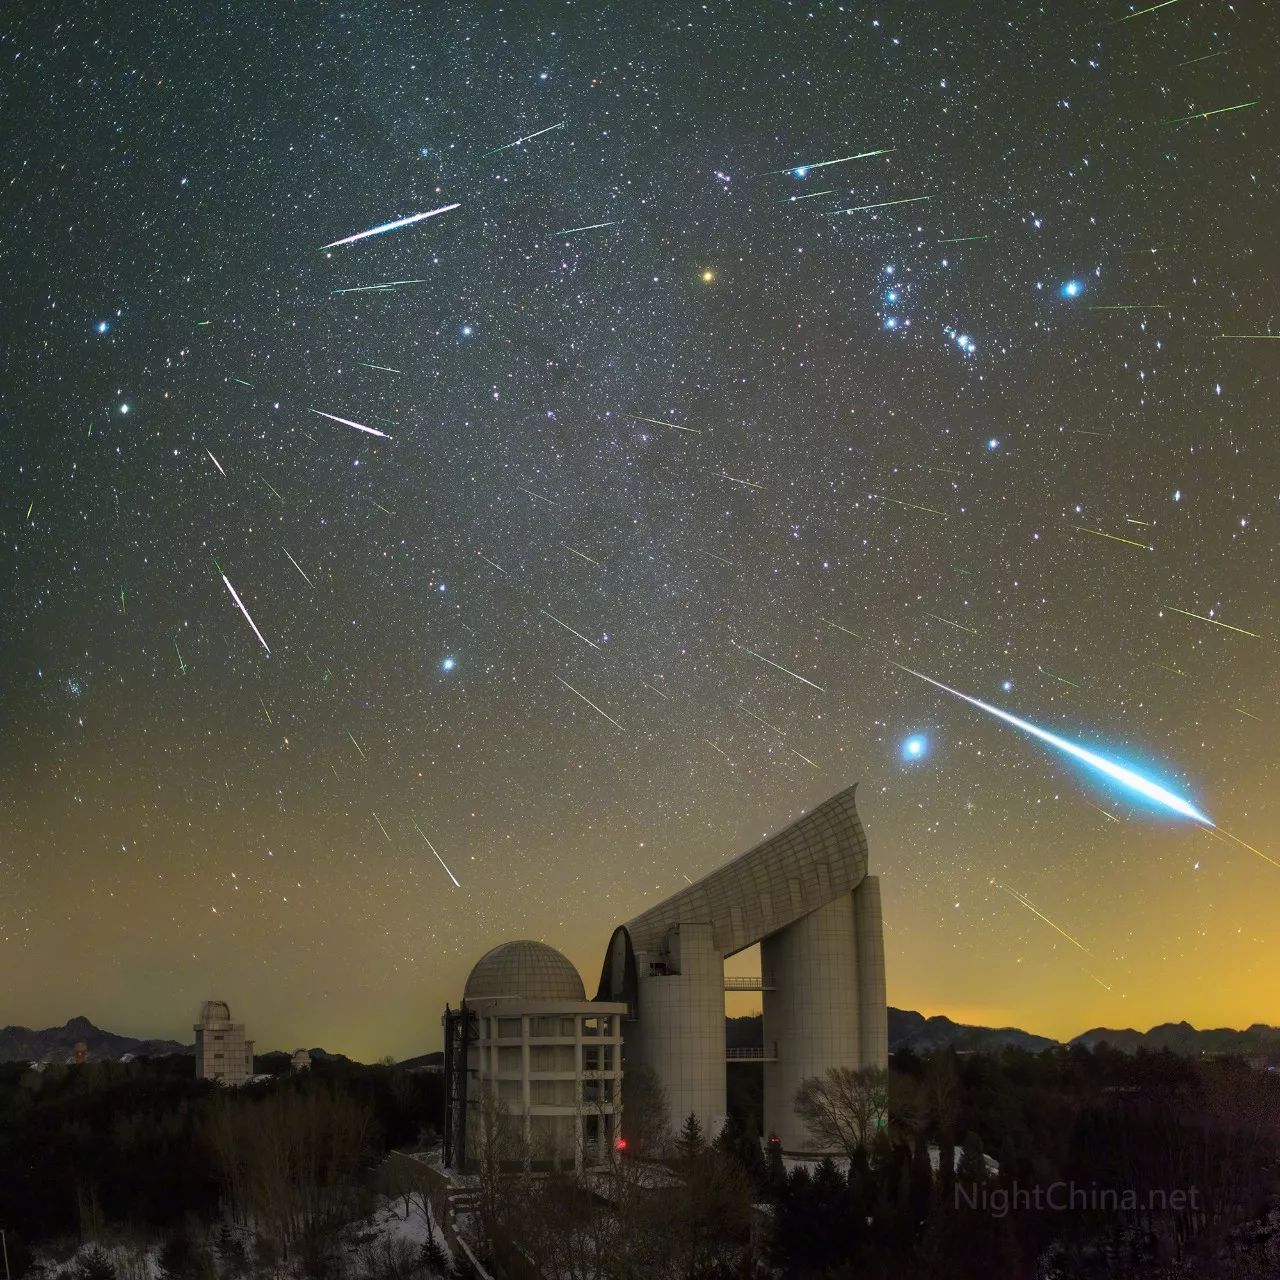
[(873, 1015), (680, 1033), (811, 1017)]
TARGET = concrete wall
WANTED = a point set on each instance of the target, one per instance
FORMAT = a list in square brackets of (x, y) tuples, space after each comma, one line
[(680, 1031), (811, 1018), (873, 1014)]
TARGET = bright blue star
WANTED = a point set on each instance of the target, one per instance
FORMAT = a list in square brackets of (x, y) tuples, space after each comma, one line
[(891, 296), (1006, 685), (1072, 289), (448, 664), (993, 443), (426, 151), (801, 171), (103, 326), (915, 747), (467, 331), (890, 322)]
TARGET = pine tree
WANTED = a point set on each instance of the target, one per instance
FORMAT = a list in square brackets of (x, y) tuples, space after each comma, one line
[(690, 1142), (775, 1170)]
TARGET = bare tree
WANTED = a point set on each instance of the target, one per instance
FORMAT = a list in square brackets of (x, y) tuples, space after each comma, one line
[(843, 1109)]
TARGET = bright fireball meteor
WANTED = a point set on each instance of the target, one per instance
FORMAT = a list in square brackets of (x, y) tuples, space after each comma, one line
[(1126, 777), (389, 226)]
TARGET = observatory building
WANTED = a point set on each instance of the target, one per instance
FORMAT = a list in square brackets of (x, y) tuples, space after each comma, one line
[(804, 895), (526, 1042), (529, 1053), (222, 1052)]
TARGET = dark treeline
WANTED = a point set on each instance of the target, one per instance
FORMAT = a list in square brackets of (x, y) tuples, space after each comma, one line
[(143, 1144), (1110, 1164)]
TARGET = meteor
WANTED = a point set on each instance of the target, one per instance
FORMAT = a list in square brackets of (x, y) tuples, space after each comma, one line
[(1199, 617), (657, 422), (370, 288), (571, 631), (527, 138), (346, 422), (1128, 778), (801, 169), (1098, 533), (439, 859), (595, 226), (215, 462), (884, 204), (1217, 111), (299, 568), (1026, 902), (389, 226), (384, 368), (357, 746), (778, 665), (240, 606), (588, 701)]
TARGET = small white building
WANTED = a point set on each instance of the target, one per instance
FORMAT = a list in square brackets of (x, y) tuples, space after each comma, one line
[(222, 1052), (528, 1051)]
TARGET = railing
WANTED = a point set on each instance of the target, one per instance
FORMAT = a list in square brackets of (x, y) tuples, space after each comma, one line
[(762, 983), (752, 1053)]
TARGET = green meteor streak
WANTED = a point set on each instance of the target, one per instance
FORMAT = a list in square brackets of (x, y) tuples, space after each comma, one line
[(1204, 57), (810, 196), (527, 138), (1217, 111), (568, 231), (823, 164), (884, 204), (961, 239), (385, 368), (1149, 9)]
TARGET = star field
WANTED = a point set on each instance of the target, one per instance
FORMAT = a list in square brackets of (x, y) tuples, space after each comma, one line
[(563, 542)]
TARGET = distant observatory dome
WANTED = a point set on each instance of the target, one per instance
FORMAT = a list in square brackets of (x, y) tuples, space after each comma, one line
[(215, 1011), (526, 970)]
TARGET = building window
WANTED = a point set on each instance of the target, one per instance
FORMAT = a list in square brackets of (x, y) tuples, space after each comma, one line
[(597, 1091), (217, 1055), (508, 1028), (597, 1026), (597, 1057), (217, 1037)]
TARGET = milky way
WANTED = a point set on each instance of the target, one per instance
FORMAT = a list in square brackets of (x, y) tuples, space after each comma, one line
[(612, 495)]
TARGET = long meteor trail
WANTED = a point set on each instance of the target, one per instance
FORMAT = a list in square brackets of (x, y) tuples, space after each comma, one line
[(527, 138), (801, 169), (589, 703), (389, 226), (299, 568), (439, 859), (884, 204), (794, 675), (346, 422), (1128, 778), (240, 606)]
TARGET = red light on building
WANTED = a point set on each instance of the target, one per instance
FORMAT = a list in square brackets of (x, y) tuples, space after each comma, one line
[(621, 1144)]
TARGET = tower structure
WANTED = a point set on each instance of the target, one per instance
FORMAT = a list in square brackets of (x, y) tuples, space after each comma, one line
[(805, 896), (222, 1052)]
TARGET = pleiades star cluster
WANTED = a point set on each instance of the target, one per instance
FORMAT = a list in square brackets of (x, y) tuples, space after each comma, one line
[(468, 470)]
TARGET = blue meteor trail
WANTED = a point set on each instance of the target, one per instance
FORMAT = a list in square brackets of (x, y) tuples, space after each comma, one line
[(389, 226), (1126, 777)]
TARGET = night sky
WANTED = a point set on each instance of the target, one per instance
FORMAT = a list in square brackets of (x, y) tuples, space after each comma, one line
[(599, 569)]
